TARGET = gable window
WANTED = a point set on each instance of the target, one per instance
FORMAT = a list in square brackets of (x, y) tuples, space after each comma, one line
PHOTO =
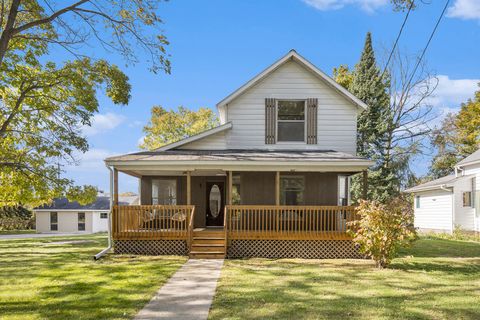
[(292, 190), (467, 199), (53, 221), (81, 221), (164, 191), (291, 120), (103, 215), (417, 202)]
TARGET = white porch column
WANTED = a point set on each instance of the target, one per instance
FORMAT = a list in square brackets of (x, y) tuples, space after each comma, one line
[(277, 188), (115, 187), (229, 189)]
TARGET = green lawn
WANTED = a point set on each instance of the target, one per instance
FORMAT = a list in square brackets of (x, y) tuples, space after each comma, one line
[(436, 279), (43, 280), (2, 232)]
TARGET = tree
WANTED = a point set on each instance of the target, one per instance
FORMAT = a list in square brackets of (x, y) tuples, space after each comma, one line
[(44, 104), (391, 131), (402, 5), (455, 138), (382, 229), (170, 126)]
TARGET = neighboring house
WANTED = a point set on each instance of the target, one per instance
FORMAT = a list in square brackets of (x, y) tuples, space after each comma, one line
[(63, 216), (271, 180), (452, 201)]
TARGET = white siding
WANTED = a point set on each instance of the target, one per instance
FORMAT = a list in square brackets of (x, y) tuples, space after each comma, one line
[(67, 222), (435, 210), (464, 216), (214, 142), (337, 117), (99, 224)]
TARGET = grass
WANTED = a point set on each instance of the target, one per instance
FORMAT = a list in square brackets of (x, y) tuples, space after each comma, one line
[(435, 279), (44, 280), (6, 232)]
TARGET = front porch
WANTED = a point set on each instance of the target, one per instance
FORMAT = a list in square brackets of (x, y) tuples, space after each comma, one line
[(275, 204)]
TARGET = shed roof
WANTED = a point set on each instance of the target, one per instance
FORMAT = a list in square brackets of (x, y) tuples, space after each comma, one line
[(447, 181)]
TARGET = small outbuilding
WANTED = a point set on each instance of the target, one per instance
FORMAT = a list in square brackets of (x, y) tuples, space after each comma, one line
[(63, 216)]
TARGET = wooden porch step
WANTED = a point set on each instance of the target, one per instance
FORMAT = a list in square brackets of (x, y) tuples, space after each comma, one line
[(209, 233), (208, 248), (208, 241)]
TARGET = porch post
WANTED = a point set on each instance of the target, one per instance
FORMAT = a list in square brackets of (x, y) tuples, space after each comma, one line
[(277, 188), (230, 186), (189, 188), (365, 185), (115, 187)]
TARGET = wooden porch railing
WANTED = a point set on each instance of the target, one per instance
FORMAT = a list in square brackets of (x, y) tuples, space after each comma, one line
[(152, 222), (288, 222)]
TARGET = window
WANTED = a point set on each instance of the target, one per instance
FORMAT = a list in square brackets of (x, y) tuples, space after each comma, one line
[(53, 221), (164, 191), (290, 121), (291, 190), (103, 215), (343, 191), (236, 197), (81, 221), (417, 202), (467, 199)]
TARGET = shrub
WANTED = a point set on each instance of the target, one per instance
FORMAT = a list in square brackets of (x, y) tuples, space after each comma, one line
[(16, 218), (382, 229)]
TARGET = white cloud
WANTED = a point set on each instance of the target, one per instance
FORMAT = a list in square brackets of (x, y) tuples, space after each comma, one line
[(465, 9), (366, 5), (102, 123), (450, 93), (136, 123), (92, 160)]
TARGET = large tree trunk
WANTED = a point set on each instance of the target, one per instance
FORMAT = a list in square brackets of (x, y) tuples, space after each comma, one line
[(9, 26)]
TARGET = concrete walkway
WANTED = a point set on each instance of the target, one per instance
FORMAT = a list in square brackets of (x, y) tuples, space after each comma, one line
[(188, 294), (39, 235)]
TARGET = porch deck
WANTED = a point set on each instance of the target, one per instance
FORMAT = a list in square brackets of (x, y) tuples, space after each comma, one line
[(155, 222)]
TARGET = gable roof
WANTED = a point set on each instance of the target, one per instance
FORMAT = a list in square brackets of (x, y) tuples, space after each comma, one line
[(198, 136), (293, 55), (447, 181), (471, 159), (101, 203)]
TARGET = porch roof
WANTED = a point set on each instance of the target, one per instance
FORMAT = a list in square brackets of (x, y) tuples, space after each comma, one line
[(267, 160)]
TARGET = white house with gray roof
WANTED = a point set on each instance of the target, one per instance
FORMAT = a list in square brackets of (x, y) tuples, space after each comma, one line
[(63, 216), (452, 201), (271, 180)]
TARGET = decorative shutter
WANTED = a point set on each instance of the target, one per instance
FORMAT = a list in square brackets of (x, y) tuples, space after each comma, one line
[(269, 121), (312, 107)]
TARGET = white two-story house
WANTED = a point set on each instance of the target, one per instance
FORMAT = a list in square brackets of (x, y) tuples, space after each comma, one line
[(453, 201), (271, 180)]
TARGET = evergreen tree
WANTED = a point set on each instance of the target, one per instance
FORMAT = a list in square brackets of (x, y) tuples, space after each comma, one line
[(369, 86)]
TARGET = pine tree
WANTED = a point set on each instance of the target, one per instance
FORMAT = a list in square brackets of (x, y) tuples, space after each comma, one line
[(369, 86)]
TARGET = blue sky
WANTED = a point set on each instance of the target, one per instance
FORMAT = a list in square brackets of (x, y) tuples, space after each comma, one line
[(217, 45)]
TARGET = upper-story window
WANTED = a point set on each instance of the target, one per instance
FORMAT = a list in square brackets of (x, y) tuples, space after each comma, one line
[(291, 121)]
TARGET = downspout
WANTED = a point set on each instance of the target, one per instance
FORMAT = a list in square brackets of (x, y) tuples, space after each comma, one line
[(444, 188), (104, 251)]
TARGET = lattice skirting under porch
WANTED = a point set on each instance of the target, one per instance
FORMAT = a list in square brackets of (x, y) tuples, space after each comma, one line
[(306, 249), (151, 247)]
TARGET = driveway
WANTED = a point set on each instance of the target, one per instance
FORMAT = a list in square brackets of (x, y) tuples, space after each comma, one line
[(37, 235)]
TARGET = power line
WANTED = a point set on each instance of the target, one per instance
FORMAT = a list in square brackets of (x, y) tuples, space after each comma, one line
[(428, 43), (398, 36)]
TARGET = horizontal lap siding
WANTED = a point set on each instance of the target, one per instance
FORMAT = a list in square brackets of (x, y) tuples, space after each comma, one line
[(213, 142), (435, 210), (336, 125), (464, 216)]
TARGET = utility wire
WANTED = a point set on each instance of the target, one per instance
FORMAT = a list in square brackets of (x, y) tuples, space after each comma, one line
[(428, 43), (398, 37)]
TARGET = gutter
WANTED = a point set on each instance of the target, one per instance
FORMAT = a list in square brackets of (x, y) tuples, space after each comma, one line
[(107, 249)]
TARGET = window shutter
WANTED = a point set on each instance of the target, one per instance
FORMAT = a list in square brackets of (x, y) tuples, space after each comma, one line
[(312, 107), (269, 121)]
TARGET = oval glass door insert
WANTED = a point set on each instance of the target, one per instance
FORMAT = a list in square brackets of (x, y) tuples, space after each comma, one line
[(215, 199)]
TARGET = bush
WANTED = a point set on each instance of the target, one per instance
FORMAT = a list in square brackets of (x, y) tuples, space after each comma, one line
[(382, 229), (16, 218)]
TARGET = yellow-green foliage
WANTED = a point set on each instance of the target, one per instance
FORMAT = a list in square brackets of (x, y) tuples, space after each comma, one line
[(168, 126), (382, 229)]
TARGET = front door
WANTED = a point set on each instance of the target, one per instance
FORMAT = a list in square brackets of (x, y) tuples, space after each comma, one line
[(215, 203)]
